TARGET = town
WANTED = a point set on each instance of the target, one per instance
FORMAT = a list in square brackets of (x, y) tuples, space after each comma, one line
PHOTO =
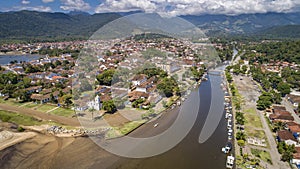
[(141, 78)]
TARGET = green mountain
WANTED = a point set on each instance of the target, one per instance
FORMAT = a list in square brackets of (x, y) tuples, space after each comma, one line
[(44, 26), (31, 25), (242, 24), (286, 31)]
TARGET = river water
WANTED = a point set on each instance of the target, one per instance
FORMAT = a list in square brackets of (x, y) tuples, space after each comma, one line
[(6, 59), (51, 152)]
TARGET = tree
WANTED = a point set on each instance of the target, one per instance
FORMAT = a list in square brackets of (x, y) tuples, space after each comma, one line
[(137, 103), (228, 76), (244, 69), (240, 136), (109, 106), (287, 156), (283, 88), (241, 143), (264, 101), (168, 86), (27, 82), (276, 97), (106, 77), (23, 95), (67, 100), (240, 118)]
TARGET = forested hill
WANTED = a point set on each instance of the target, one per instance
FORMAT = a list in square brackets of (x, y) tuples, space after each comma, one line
[(286, 31), (44, 26), (31, 25)]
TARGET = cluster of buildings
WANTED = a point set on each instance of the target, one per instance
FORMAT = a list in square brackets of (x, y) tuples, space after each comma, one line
[(36, 47), (277, 66), (129, 54), (289, 132), (44, 84)]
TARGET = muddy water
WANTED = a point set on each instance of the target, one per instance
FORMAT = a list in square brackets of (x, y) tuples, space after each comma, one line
[(51, 152)]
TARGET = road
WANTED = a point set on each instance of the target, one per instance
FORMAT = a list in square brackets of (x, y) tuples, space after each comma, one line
[(289, 107)]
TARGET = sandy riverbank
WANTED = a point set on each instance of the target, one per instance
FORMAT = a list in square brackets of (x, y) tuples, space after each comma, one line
[(12, 53), (8, 138)]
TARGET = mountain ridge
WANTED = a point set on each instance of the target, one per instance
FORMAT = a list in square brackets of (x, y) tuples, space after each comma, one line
[(45, 26)]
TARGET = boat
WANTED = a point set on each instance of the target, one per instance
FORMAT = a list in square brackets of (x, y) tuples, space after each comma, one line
[(227, 148), (229, 161), (155, 125)]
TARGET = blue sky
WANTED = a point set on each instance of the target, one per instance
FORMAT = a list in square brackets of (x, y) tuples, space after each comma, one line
[(171, 7)]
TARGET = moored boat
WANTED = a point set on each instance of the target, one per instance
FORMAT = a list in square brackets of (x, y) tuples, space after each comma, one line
[(230, 161)]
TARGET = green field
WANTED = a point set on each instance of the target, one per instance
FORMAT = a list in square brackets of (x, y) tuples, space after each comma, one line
[(31, 105), (252, 118), (264, 155), (12, 102), (17, 118), (45, 107), (63, 112), (125, 129)]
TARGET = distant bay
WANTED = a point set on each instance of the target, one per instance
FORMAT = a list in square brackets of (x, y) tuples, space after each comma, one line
[(6, 59)]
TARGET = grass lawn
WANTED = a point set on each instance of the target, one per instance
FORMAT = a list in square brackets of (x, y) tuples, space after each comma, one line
[(252, 119), (124, 129), (63, 112), (20, 119), (11, 102), (45, 107), (128, 127), (256, 133), (264, 155), (31, 105)]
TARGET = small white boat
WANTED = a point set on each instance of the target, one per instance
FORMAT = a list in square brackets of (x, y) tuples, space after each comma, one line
[(227, 148), (229, 161), (155, 125)]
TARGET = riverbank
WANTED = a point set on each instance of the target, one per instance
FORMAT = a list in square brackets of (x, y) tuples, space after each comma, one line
[(12, 53), (8, 138)]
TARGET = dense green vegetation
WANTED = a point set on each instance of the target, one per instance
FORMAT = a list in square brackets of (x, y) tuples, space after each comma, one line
[(109, 106), (32, 26), (42, 26), (19, 119), (275, 51), (168, 87), (286, 151), (106, 77)]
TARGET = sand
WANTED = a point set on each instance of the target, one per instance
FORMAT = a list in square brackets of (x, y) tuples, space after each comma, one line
[(8, 138)]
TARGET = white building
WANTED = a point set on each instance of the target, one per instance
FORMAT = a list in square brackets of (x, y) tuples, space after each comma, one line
[(95, 104)]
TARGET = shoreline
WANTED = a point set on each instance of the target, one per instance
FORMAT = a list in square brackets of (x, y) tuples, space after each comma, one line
[(14, 138)]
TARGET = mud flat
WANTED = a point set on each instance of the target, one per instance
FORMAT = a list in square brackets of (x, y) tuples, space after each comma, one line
[(8, 138)]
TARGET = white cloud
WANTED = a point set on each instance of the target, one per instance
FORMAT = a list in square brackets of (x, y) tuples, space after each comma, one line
[(33, 8), (183, 7), (24, 2), (47, 1), (74, 5)]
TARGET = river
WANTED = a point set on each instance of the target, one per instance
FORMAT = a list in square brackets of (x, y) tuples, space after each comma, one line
[(51, 152), (6, 59)]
